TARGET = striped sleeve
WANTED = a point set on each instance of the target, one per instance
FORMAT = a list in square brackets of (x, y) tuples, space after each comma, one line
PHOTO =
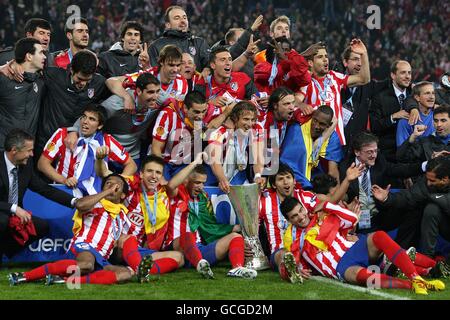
[(55, 145), (341, 79), (347, 217), (117, 152), (163, 126)]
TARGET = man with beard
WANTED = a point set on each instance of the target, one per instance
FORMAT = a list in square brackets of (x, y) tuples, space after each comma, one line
[(308, 147), (78, 37), (177, 33), (431, 196), (378, 170), (129, 129), (326, 85)]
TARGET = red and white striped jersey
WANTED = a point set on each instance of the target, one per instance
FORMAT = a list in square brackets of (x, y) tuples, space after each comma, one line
[(178, 220), (100, 230), (325, 261), (221, 137), (274, 221), (135, 204), (337, 81), (176, 89), (70, 164)]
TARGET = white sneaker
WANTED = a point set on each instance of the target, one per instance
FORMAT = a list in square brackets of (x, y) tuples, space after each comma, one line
[(204, 269), (242, 272)]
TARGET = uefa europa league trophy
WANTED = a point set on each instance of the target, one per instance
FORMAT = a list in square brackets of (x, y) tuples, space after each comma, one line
[(245, 201)]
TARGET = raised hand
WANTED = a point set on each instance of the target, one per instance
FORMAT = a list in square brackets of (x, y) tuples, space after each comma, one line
[(358, 46), (144, 58), (354, 171), (257, 23), (252, 47), (379, 193)]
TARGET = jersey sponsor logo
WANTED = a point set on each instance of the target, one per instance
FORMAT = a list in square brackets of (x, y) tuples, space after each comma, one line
[(160, 131), (51, 146), (18, 87), (91, 93), (136, 219), (234, 86), (282, 224), (192, 50), (35, 87), (82, 246), (122, 64)]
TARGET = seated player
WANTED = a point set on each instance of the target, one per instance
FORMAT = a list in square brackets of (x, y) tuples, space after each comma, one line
[(99, 222), (194, 230), (319, 241)]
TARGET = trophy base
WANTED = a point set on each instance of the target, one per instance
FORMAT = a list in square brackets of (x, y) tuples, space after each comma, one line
[(257, 263)]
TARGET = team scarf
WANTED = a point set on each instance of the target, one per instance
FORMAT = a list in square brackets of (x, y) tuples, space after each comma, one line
[(197, 209), (88, 181), (113, 210)]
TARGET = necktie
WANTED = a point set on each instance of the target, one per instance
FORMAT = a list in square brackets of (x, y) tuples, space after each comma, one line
[(365, 183), (14, 188), (401, 100)]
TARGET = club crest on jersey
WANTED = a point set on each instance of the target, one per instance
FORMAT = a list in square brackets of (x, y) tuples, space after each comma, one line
[(282, 224), (35, 87), (192, 50), (91, 93), (234, 86)]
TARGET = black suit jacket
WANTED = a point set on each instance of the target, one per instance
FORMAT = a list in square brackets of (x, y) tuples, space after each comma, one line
[(361, 100), (28, 179), (379, 173)]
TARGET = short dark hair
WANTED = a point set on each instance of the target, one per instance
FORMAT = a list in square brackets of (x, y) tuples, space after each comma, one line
[(322, 183), (166, 14), (214, 52), (24, 46), (394, 65), (440, 166), (363, 138), (282, 169), (288, 204), (313, 49), (16, 138), (152, 158), (99, 110), (114, 174), (240, 108), (200, 169), (326, 110), (346, 53), (84, 61), (194, 97), (442, 109), (169, 52), (76, 20), (145, 79), (132, 25), (32, 24), (277, 95)]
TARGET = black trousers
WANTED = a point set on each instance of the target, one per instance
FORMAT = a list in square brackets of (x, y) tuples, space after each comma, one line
[(8, 245), (435, 222)]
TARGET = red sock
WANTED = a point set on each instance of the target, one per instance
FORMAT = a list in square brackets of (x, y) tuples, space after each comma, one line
[(396, 254), (236, 252), (100, 277), (424, 261), (58, 268), (422, 271), (386, 282), (164, 265), (190, 249), (131, 253)]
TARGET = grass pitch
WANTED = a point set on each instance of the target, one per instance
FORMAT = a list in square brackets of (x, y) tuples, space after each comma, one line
[(187, 284)]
